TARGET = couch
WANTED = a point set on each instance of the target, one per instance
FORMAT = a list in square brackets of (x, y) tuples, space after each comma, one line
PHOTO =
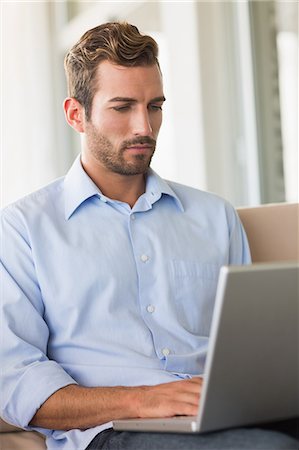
[(273, 234)]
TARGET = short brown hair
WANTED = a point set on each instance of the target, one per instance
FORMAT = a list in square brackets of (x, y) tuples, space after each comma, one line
[(119, 43)]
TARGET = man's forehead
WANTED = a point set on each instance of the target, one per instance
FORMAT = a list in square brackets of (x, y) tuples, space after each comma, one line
[(126, 82), (110, 72)]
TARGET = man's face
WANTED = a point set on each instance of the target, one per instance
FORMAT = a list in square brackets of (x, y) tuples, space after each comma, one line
[(125, 119)]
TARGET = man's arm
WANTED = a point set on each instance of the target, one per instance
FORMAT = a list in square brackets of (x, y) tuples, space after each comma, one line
[(27, 376), (80, 407), (239, 251)]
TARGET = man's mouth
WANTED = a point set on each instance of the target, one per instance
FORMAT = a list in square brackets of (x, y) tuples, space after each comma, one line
[(140, 147)]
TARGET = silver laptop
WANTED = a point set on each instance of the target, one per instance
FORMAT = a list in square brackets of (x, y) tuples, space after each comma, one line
[(252, 367)]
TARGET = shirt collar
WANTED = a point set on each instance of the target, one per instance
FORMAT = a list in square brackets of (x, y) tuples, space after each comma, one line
[(78, 187), (156, 186)]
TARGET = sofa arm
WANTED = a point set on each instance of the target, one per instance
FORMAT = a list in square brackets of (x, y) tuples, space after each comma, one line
[(22, 440), (6, 427), (13, 438)]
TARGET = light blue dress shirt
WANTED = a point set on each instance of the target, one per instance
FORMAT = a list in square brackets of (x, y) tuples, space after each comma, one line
[(99, 294)]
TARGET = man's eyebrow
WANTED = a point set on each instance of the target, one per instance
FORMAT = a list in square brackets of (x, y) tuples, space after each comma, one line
[(158, 99), (122, 99), (133, 100)]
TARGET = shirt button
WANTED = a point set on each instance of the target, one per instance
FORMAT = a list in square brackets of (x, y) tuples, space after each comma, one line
[(133, 217), (150, 308), (103, 199), (165, 351), (144, 258)]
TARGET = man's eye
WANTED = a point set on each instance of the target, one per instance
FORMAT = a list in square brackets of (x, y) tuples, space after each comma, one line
[(121, 108), (155, 107)]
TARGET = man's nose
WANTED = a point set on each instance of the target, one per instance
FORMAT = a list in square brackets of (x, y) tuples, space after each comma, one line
[(141, 124)]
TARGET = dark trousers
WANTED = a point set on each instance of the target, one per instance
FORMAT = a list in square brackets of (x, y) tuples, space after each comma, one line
[(274, 436)]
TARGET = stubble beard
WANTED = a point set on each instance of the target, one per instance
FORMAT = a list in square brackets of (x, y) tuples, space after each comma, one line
[(113, 159)]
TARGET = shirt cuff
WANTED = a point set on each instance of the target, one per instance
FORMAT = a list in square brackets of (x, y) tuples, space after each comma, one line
[(36, 385)]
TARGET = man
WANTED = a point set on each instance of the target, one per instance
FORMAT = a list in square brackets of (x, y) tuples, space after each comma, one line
[(110, 273)]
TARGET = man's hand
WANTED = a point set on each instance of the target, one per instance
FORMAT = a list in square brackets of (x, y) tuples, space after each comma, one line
[(81, 407), (170, 399)]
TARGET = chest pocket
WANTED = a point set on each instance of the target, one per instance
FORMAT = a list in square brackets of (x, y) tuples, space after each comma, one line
[(194, 289)]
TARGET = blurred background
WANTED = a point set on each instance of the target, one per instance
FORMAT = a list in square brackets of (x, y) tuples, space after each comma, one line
[(230, 72)]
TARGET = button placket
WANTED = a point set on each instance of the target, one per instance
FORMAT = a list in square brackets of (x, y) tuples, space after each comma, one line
[(144, 253)]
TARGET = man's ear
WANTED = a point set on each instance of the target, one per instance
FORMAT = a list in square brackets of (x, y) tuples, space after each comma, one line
[(74, 114)]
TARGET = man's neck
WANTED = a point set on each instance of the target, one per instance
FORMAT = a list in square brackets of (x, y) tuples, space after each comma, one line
[(124, 188)]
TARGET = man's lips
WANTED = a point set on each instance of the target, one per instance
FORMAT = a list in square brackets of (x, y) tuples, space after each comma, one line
[(140, 147)]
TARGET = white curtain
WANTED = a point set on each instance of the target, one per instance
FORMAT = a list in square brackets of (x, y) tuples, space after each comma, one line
[(28, 147)]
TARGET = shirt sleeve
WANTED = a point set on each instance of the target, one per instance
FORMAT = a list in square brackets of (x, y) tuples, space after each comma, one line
[(239, 251), (27, 376)]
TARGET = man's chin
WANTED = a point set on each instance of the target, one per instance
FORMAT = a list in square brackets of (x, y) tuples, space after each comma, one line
[(137, 167), (131, 171), (128, 165)]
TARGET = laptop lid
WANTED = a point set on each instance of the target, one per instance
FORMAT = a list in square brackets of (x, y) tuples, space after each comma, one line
[(252, 371)]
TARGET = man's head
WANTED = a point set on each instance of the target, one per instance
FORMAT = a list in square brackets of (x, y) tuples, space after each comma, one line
[(119, 43), (116, 96)]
